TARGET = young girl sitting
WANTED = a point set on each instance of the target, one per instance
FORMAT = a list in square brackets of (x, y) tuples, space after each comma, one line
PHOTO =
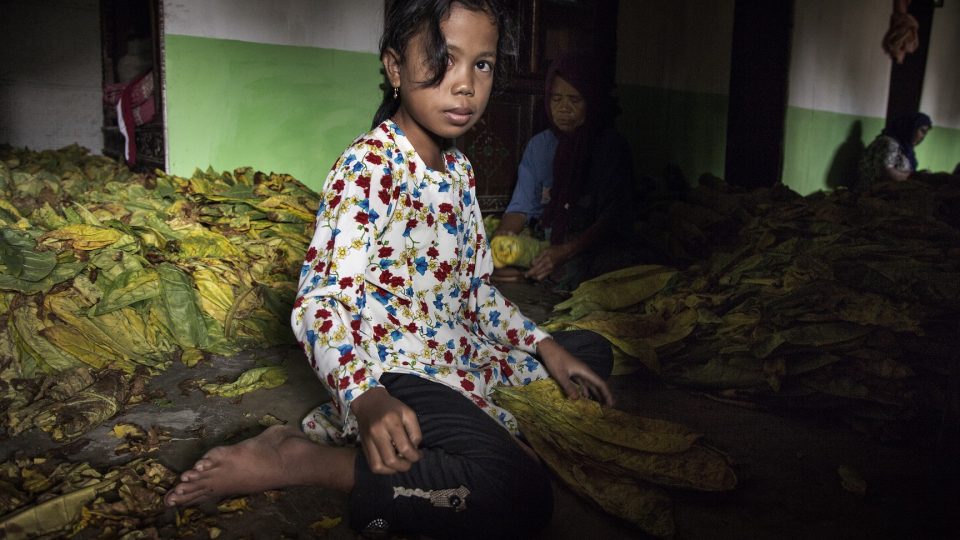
[(396, 315)]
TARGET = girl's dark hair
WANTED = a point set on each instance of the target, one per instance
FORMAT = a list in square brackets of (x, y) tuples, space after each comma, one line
[(406, 18)]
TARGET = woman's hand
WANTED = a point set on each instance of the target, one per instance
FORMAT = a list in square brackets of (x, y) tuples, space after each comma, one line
[(389, 431), (575, 378), (549, 260)]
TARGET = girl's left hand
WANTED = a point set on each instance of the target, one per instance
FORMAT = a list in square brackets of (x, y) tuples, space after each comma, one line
[(574, 377)]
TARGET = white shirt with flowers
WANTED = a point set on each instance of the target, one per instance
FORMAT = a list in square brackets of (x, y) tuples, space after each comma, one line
[(396, 279)]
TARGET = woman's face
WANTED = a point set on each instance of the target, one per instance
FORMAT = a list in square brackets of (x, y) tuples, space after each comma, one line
[(567, 108), (920, 134)]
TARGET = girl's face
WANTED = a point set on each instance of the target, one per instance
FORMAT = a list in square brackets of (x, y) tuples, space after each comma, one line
[(920, 134), (567, 108), (449, 109)]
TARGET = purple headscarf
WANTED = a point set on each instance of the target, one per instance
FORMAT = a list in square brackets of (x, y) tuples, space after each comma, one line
[(571, 163)]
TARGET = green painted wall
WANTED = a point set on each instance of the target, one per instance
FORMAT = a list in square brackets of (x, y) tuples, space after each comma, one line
[(665, 126), (823, 148), (273, 107), (940, 151)]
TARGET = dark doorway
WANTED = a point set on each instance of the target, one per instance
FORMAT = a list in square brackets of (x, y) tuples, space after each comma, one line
[(759, 66)]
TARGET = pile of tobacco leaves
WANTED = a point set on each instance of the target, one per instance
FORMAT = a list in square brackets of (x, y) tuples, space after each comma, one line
[(107, 276), (846, 303)]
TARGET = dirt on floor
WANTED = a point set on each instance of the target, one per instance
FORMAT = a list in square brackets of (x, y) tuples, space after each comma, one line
[(788, 464)]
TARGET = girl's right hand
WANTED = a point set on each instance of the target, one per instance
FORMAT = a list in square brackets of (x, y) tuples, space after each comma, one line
[(389, 431)]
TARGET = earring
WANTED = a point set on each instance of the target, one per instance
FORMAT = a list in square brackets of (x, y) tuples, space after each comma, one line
[(396, 92)]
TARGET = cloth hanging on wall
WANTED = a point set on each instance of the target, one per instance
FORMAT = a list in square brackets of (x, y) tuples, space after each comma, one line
[(901, 38), (135, 107)]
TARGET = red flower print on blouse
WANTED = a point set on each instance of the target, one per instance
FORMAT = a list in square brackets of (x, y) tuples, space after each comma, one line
[(362, 217), (373, 158), (346, 282), (364, 182), (311, 254), (325, 326), (442, 272), (322, 314), (347, 357)]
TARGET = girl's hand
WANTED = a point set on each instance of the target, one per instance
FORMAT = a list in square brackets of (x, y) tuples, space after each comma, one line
[(575, 378), (389, 431), (547, 261)]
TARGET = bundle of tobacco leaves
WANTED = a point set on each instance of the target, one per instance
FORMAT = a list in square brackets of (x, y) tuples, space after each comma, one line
[(122, 273), (620, 461), (842, 301)]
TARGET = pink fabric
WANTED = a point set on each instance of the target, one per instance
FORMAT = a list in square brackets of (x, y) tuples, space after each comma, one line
[(135, 107)]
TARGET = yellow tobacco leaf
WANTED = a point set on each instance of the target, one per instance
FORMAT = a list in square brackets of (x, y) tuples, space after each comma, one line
[(234, 505), (85, 237), (515, 250), (122, 431), (52, 515), (202, 243), (191, 357), (250, 380), (545, 400), (618, 289), (325, 524)]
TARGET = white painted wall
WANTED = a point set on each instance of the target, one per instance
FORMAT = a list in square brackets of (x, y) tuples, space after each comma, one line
[(836, 50), (677, 45), (347, 25), (50, 77), (941, 88)]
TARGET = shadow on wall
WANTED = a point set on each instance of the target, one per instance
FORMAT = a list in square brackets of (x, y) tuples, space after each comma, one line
[(844, 167)]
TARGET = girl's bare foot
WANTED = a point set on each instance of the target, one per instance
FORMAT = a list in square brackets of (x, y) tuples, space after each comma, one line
[(279, 457)]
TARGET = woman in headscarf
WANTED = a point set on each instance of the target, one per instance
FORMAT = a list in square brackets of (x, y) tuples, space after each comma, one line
[(891, 155), (574, 177)]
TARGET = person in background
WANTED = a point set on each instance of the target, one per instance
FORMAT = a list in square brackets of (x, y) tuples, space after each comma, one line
[(891, 156), (573, 177), (398, 319)]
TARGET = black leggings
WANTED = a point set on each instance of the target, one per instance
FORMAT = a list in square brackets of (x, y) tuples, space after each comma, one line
[(474, 480)]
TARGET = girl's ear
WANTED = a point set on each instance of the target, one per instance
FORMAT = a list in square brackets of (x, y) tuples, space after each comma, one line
[(391, 66)]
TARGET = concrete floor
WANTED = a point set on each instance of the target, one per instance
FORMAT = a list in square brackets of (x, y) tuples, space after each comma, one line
[(787, 464)]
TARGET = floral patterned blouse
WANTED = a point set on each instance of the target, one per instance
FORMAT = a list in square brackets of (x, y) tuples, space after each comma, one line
[(882, 153), (396, 279)]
